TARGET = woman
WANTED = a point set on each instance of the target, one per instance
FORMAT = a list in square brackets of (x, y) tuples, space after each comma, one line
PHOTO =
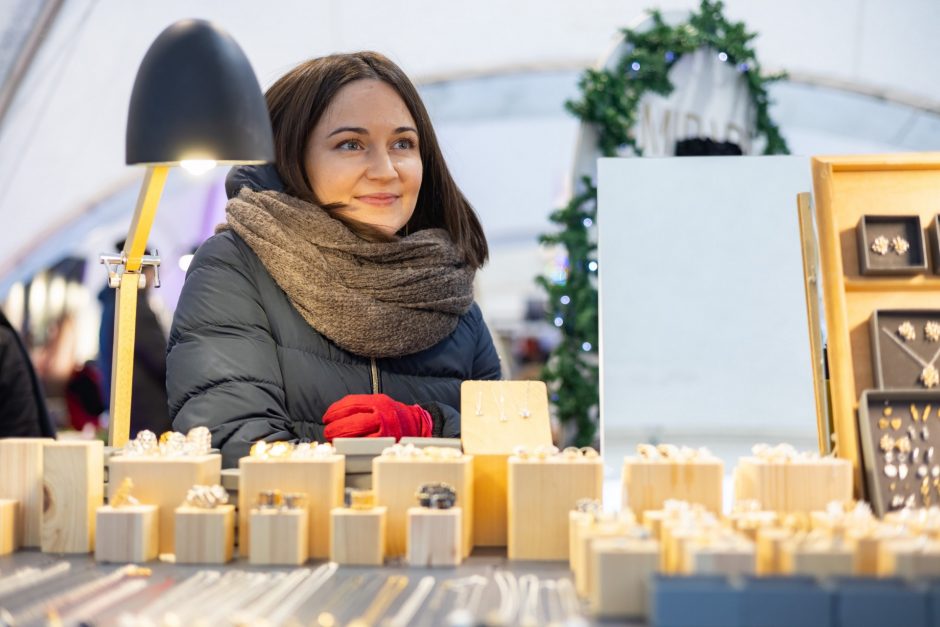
[(345, 269)]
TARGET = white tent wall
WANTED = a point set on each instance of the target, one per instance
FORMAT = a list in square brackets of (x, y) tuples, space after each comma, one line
[(64, 187)]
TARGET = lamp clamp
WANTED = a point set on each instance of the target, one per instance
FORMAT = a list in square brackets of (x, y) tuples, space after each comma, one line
[(116, 264)]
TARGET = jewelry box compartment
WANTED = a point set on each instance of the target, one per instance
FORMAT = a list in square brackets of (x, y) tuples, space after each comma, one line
[(891, 245), (905, 346), (900, 437), (935, 231)]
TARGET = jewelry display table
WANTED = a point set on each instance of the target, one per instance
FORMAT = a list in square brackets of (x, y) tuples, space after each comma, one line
[(463, 595)]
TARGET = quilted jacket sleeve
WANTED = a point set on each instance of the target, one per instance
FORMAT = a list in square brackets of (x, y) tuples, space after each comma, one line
[(222, 365)]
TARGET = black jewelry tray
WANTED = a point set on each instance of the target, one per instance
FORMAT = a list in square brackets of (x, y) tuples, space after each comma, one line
[(935, 229), (892, 367), (922, 458), (912, 261)]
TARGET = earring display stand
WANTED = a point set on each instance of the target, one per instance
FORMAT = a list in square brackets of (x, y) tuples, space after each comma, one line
[(322, 479), (845, 190), (496, 417), (891, 245), (935, 243), (900, 436), (905, 363), (164, 482)]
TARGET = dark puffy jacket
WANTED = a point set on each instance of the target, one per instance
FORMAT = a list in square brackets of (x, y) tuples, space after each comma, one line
[(22, 404), (244, 363)]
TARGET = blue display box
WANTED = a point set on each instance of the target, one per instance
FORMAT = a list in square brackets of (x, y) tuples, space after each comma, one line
[(869, 602)]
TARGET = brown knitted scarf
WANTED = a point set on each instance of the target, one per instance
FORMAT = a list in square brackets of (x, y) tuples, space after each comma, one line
[(374, 299)]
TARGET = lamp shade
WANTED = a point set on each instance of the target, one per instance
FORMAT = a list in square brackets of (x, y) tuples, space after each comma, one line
[(196, 97)]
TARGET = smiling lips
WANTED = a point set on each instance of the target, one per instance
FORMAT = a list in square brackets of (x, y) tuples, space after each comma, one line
[(379, 200)]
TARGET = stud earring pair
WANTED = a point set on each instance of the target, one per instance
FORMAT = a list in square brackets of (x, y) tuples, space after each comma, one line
[(931, 331), (881, 245)]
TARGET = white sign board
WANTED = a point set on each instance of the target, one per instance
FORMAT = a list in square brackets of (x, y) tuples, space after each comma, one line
[(703, 327)]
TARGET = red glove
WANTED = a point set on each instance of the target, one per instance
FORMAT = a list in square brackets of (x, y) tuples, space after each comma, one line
[(375, 416)]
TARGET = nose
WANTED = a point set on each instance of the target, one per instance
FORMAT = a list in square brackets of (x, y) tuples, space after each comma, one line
[(381, 167)]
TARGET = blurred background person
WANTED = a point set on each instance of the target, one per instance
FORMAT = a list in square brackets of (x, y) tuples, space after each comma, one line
[(22, 408)]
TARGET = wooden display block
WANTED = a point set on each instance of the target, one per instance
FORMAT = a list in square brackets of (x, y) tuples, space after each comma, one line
[(204, 535), (915, 559), (491, 427), (674, 543), (349, 447), (577, 523), (358, 536), (278, 537), (21, 480), (649, 483), (720, 558), (396, 481), (320, 478), (822, 559), (490, 496), (793, 486), (129, 533), (653, 520), (9, 538), (73, 480), (845, 190), (164, 481), (541, 495), (769, 542), (749, 523), (434, 536), (622, 570), (583, 565)]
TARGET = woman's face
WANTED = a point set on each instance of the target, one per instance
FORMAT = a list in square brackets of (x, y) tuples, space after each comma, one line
[(363, 153)]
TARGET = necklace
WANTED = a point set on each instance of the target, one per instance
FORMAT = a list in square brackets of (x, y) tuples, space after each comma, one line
[(929, 376), (387, 594), (411, 606), (501, 401)]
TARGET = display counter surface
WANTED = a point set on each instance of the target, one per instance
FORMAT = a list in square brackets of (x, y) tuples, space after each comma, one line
[(536, 593)]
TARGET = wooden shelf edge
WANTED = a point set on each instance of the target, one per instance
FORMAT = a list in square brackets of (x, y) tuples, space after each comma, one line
[(915, 284)]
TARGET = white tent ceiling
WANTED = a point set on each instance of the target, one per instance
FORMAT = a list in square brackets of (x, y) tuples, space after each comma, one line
[(62, 139)]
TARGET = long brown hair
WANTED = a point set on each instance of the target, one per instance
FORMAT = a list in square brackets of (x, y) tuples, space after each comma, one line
[(299, 98)]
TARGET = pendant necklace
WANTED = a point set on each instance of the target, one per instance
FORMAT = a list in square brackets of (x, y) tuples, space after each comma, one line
[(929, 376)]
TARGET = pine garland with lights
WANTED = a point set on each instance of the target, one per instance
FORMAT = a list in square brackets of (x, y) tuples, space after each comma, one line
[(610, 100)]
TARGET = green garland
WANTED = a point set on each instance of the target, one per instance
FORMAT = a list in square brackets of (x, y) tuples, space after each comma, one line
[(610, 100)]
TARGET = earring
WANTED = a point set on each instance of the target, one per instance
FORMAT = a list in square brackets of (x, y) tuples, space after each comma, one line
[(900, 245), (906, 330), (880, 245), (932, 331)]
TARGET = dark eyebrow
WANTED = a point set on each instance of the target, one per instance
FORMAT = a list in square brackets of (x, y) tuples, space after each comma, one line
[(362, 131), (353, 129)]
